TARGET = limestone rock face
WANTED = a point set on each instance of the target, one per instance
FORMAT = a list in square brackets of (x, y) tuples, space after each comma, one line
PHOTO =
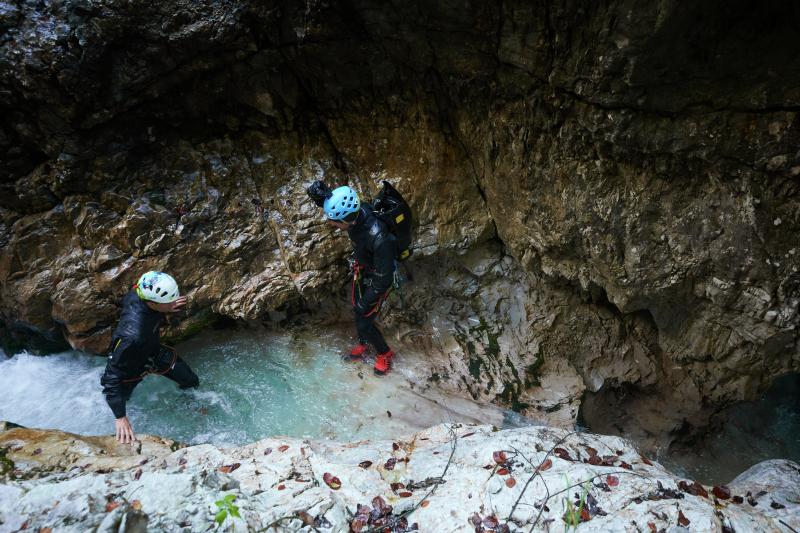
[(606, 195), (772, 484), (446, 478)]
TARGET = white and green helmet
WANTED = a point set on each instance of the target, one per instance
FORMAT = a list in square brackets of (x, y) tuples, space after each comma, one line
[(157, 287)]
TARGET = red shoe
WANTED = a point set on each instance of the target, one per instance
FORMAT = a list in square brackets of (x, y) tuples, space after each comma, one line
[(359, 351), (383, 362)]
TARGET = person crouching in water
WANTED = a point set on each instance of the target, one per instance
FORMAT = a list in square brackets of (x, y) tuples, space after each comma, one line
[(374, 251), (136, 350)]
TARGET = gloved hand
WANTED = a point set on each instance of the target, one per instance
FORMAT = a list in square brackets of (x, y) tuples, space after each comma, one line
[(319, 192)]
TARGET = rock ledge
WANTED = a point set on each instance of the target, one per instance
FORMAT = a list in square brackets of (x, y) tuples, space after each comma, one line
[(446, 478)]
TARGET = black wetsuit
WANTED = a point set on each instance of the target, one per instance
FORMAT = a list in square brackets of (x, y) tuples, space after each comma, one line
[(375, 250), (136, 349)]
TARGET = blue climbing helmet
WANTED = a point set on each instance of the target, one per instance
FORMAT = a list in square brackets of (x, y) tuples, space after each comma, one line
[(342, 202)]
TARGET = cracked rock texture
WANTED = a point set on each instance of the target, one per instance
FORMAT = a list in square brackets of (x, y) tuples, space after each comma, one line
[(71, 483), (606, 194)]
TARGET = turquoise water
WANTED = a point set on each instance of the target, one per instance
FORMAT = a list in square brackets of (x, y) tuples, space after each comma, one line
[(253, 384)]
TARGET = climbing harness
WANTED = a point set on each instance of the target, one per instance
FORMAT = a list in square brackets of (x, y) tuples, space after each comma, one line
[(397, 281), (151, 365)]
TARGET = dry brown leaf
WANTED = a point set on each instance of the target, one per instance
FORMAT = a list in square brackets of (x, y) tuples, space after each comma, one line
[(561, 453), (306, 518), (227, 469), (332, 481), (491, 522), (722, 492)]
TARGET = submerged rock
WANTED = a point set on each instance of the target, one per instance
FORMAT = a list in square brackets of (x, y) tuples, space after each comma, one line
[(447, 478)]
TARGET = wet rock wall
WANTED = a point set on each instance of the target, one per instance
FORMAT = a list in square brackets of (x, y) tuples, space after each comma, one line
[(606, 194)]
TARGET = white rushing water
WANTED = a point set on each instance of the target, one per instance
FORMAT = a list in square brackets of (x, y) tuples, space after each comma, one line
[(253, 384), (58, 391)]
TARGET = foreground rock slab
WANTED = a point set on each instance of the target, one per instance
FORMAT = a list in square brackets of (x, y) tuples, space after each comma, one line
[(446, 478)]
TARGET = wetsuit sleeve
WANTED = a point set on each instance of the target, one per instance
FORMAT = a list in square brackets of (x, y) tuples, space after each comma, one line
[(112, 390), (112, 380)]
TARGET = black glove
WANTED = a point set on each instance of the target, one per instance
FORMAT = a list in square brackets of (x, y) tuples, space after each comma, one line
[(319, 192)]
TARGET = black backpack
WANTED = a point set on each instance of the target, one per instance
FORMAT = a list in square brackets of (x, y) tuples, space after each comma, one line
[(391, 207)]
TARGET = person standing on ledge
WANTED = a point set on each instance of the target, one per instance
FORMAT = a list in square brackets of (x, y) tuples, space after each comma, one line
[(136, 350), (374, 251)]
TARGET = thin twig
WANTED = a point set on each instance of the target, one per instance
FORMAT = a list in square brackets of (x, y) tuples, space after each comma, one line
[(628, 472), (542, 506), (410, 510), (281, 519), (523, 455), (536, 472), (793, 530)]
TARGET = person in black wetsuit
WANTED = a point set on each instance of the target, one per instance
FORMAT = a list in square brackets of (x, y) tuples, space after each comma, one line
[(136, 350), (374, 251)]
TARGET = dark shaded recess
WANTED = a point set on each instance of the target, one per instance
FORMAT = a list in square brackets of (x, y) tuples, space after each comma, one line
[(642, 414), (636, 411), (597, 295), (744, 434), (730, 44), (16, 337), (17, 157)]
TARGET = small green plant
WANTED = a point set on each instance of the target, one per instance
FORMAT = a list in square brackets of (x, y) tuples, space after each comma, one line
[(226, 507), (573, 514), (6, 464)]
